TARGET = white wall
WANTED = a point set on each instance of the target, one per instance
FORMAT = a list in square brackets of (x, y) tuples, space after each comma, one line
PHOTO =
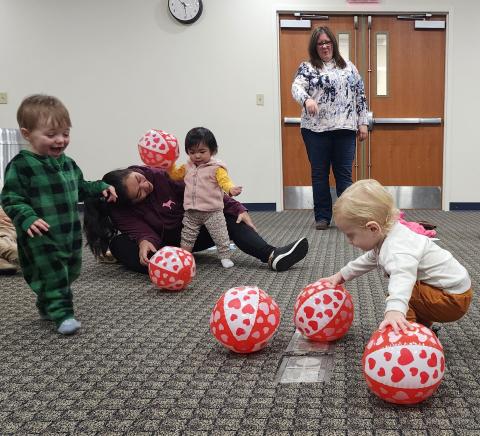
[(125, 66)]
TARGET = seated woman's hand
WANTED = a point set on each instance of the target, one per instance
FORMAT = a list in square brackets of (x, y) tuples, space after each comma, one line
[(245, 217), (144, 249), (4, 219), (397, 320)]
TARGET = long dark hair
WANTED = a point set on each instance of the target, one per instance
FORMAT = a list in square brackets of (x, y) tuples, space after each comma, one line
[(98, 227), (315, 59)]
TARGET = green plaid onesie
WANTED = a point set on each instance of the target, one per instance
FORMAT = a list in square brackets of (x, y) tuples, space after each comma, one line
[(48, 188)]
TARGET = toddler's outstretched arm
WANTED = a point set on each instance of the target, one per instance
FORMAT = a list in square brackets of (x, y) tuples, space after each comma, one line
[(110, 194), (235, 190), (38, 227), (397, 320), (336, 279)]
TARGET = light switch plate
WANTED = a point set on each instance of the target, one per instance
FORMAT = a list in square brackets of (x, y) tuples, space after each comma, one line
[(3, 98)]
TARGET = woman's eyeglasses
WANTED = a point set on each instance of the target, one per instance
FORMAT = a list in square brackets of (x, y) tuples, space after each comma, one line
[(324, 43)]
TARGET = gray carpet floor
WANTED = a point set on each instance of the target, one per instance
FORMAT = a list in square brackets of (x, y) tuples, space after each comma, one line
[(145, 362)]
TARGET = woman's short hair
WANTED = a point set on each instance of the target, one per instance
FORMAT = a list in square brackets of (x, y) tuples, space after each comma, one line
[(201, 135), (39, 108), (364, 201), (315, 59)]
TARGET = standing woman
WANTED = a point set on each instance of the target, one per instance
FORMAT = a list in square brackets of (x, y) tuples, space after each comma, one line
[(332, 95)]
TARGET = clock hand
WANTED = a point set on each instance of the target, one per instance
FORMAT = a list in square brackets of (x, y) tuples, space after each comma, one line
[(184, 6)]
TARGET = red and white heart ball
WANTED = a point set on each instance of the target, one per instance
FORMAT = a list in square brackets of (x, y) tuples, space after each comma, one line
[(403, 368), (323, 312), (244, 319), (171, 268), (158, 149)]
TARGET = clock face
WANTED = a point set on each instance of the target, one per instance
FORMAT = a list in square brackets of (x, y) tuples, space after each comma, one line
[(186, 11)]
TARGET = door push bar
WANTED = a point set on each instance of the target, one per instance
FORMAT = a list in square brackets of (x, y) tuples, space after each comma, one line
[(371, 120)]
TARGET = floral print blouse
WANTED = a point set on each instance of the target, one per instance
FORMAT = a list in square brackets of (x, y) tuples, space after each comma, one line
[(339, 93)]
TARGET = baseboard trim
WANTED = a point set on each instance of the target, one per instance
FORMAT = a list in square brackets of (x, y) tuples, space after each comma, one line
[(464, 206), (261, 207)]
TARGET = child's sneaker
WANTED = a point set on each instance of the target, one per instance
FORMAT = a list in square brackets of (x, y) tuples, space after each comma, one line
[(69, 326), (227, 263)]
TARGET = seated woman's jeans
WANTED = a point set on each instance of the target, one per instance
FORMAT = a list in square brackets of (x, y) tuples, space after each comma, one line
[(245, 238), (335, 149)]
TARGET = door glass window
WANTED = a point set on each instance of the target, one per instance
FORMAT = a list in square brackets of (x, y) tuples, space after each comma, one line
[(344, 45), (382, 50)]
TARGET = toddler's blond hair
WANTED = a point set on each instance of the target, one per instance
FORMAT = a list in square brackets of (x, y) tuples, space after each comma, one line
[(39, 108), (364, 201)]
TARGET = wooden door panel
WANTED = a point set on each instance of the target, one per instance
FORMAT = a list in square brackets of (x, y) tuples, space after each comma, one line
[(416, 70), (296, 168), (408, 155)]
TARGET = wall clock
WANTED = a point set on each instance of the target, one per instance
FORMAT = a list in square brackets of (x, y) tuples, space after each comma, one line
[(185, 11)]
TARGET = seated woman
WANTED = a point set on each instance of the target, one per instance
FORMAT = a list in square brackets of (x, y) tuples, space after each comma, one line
[(8, 246), (148, 215)]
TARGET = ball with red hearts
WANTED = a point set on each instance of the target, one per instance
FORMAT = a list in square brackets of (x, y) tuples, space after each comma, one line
[(403, 368), (158, 149), (244, 319), (323, 312), (171, 268)]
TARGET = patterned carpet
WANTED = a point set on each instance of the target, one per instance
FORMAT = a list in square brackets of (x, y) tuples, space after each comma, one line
[(145, 362)]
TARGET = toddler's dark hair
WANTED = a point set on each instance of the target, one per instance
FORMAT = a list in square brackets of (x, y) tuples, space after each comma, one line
[(200, 135)]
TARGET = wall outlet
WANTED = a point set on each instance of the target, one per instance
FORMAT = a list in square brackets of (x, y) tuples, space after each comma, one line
[(260, 100), (3, 98)]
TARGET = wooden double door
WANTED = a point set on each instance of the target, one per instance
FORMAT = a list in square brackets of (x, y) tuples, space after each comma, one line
[(402, 62)]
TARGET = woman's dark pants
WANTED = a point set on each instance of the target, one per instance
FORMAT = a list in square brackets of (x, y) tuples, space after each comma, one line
[(245, 238), (334, 149)]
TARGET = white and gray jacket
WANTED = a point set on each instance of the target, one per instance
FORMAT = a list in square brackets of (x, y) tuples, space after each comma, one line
[(339, 93)]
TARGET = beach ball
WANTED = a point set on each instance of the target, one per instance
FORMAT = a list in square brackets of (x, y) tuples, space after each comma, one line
[(403, 368), (244, 319), (323, 312), (171, 268), (158, 149)]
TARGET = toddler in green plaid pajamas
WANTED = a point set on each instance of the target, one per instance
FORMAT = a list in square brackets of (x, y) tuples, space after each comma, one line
[(41, 192)]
